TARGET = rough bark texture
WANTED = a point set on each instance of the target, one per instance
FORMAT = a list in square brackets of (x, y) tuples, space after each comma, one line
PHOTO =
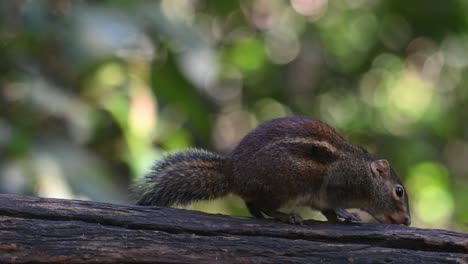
[(64, 231)]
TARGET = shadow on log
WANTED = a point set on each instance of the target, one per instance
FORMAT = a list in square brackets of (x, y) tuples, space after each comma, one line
[(70, 231)]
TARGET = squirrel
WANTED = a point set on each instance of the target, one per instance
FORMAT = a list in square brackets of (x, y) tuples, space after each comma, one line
[(283, 163)]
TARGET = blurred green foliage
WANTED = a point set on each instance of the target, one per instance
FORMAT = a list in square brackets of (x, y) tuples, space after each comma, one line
[(91, 92)]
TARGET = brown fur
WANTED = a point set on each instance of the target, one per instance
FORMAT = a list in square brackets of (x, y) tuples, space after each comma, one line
[(287, 161)]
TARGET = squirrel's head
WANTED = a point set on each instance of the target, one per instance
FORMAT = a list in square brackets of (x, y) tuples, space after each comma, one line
[(390, 203)]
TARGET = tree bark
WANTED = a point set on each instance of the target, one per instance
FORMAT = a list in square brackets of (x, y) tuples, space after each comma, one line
[(64, 231)]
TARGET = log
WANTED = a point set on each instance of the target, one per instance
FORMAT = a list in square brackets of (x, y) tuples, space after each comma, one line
[(71, 231)]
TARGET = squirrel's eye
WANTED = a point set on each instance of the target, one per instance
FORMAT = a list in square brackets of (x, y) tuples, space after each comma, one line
[(399, 191)]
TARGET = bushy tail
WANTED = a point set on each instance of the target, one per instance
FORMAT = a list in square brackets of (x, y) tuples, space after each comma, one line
[(184, 177)]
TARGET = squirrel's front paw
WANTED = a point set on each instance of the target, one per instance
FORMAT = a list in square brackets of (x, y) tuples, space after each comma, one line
[(347, 216), (295, 220)]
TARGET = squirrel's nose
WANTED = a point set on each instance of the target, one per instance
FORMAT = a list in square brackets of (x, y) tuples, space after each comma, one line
[(407, 220)]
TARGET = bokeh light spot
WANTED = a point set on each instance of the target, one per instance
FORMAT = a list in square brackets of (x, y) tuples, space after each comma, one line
[(110, 74), (313, 9), (430, 195), (248, 54)]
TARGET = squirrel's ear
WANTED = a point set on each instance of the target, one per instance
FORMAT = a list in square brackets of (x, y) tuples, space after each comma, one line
[(380, 168)]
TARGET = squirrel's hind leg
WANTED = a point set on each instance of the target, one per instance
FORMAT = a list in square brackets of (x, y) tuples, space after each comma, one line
[(293, 219), (285, 218), (254, 211)]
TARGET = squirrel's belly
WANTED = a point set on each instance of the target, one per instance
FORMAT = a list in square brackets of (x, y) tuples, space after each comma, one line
[(309, 200)]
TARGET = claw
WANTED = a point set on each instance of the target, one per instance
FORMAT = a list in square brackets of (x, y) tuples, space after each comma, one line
[(347, 216), (295, 220)]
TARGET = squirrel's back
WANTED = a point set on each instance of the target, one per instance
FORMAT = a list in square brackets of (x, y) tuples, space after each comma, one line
[(288, 128), (265, 157)]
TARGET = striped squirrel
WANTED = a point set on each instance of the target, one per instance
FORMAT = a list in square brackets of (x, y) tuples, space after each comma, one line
[(285, 162)]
